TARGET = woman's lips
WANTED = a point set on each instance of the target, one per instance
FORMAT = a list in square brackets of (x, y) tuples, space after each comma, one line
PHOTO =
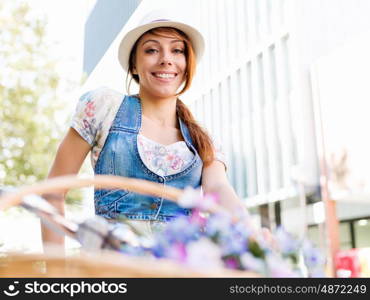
[(164, 76)]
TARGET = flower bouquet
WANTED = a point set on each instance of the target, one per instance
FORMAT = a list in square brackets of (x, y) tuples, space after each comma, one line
[(217, 240), (209, 239)]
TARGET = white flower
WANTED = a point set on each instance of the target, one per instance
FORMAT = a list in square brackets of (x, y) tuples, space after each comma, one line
[(204, 254), (278, 267), (190, 198), (207, 202), (252, 263)]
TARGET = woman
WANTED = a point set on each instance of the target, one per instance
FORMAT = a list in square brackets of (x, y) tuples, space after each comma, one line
[(152, 135)]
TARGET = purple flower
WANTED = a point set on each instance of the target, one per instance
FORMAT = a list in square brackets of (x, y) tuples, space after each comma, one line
[(177, 252), (233, 243), (197, 217), (208, 241), (231, 263), (314, 260), (181, 229), (286, 242), (217, 224)]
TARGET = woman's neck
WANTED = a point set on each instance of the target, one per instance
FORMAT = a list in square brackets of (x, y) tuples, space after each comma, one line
[(161, 111)]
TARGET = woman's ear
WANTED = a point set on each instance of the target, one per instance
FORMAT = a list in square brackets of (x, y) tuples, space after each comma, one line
[(134, 71)]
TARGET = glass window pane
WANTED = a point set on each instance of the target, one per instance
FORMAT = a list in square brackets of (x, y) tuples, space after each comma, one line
[(345, 236), (362, 233)]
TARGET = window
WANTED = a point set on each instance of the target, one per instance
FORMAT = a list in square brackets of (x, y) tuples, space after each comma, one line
[(362, 233)]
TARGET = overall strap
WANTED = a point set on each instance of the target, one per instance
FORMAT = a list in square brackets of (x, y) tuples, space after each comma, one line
[(185, 132), (128, 117)]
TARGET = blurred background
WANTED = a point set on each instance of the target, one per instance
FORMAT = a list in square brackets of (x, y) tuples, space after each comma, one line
[(283, 84)]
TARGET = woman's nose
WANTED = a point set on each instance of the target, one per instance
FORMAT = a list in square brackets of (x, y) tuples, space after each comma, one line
[(166, 58)]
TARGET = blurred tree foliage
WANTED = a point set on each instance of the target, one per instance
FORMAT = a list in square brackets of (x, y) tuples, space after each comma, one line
[(29, 104)]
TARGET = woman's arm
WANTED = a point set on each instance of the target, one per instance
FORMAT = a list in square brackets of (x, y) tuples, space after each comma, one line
[(214, 180), (69, 158)]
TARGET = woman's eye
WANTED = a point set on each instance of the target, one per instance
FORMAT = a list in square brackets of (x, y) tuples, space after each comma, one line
[(179, 51), (151, 50)]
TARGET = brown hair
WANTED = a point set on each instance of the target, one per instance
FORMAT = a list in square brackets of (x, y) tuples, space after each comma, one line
[(201, 139)]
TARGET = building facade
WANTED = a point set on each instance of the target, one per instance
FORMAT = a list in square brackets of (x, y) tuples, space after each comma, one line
[(254, 91)]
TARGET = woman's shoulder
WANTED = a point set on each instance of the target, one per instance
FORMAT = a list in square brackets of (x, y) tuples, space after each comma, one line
[(95, 112), (103, 95), (98, 105)]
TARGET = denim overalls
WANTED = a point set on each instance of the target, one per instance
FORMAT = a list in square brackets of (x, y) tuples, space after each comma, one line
[(120, 156)]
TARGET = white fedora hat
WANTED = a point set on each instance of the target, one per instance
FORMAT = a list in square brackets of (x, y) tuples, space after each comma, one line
[(153, 20)]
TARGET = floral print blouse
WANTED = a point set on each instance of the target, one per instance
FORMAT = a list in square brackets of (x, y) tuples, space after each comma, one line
[(161, 159), (94, 116)]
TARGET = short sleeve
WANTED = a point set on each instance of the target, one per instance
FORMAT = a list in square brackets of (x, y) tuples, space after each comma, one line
[(86, 118), (219, 152)]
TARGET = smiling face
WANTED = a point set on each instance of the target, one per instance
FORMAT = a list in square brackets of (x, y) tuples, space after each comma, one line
[(161, 61), (160, 65)]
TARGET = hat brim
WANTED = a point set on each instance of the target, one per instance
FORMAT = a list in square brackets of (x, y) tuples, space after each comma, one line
[(132, 36)]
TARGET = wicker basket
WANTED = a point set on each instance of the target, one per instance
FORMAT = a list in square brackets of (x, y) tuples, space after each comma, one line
[(103, 263)]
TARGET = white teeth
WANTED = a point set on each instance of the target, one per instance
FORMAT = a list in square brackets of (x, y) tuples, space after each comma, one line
[(164, 75)]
